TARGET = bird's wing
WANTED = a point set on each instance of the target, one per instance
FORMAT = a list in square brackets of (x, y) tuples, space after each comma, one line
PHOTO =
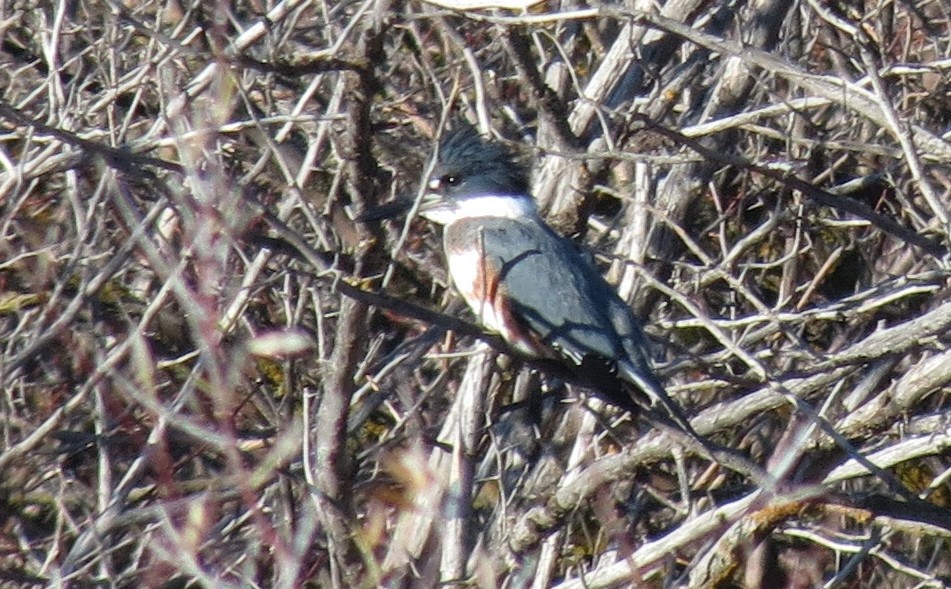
[(550, 288), (541, 281), (560, 301)]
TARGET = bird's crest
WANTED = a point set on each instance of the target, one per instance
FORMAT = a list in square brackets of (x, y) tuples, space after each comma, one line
[(464, 151)]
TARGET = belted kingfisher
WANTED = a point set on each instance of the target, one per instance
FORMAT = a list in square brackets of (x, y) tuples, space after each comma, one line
[(530, 285)]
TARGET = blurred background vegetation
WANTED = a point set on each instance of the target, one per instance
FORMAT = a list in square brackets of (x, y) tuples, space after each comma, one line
[(213, 376)]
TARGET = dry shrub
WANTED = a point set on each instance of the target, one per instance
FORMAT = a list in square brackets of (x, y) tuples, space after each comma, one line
[(213, 376)]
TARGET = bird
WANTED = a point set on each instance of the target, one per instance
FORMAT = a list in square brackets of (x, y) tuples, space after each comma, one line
[(533, 287)]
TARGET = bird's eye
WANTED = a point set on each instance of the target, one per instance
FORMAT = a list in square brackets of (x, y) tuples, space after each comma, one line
[(442, 183)]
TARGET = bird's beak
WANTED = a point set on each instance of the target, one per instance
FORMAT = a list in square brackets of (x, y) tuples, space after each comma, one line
[(431, 200), (385, 211), (434, 207)]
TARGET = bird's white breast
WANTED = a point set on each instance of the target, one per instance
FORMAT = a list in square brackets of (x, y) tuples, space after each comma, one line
[(467, 270), (479, 285)]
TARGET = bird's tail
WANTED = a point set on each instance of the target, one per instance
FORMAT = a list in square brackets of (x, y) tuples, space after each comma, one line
[(659, 405), (664, 413)]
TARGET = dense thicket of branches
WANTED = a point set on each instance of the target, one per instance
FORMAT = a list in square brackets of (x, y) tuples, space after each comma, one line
[(213, 376)]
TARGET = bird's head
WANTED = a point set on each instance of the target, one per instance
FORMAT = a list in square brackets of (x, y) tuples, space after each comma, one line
[(475, 178)]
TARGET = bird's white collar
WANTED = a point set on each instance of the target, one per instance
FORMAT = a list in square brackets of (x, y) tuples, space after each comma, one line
[(475, 207)]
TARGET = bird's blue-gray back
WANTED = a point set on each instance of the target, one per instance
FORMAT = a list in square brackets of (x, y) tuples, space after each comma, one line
[(559, 295)]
